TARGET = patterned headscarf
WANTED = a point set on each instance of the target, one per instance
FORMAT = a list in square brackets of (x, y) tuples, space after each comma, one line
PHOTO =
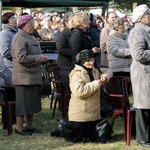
[(83, 56)]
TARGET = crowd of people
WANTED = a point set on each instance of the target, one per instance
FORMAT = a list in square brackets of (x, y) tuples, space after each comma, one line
[(85, 43)]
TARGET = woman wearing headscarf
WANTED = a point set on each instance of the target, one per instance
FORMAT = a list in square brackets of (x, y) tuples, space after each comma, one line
[(26, 75), (84, 105), (139, 41)]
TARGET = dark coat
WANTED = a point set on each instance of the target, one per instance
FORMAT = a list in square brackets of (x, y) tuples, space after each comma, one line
[(79, 40), (63, 48)]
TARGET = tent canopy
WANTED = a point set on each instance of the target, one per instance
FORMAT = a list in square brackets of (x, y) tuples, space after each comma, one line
[(54, 3)]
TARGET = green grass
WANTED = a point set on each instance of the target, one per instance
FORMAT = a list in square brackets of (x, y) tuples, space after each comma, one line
[(44, 141)]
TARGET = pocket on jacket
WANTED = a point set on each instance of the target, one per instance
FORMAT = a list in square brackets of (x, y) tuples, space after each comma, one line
[(147, 68)]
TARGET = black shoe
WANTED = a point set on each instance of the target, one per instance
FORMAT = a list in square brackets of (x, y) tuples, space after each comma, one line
[(86, 140), (23, 132), (56, 132), (145, 144), (33, 130)]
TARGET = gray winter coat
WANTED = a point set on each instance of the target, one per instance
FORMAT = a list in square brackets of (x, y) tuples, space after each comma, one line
[(139, 41), (6, 36), (4, 69), (27, 59), (118, 52)]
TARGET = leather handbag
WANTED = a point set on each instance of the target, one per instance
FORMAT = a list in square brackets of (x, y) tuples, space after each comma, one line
[(46, 86), (103, 131)]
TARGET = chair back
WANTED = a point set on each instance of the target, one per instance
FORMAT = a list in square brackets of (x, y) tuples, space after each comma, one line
[(118, 85), (60, 79), (60, 76), (45, 67)]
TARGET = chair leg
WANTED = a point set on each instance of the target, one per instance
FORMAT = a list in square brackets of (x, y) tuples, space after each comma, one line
[(55, 104), (129, 126), (128, 134), (64, 108), (10, 115), (51, 100), (112, 122), (4, 117)]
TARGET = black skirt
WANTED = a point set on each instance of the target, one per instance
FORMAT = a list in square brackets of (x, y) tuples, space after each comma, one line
[(79, 131), (28, 100)]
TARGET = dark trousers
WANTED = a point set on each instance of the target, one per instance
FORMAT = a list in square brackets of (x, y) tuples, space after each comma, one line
[(143, 125)]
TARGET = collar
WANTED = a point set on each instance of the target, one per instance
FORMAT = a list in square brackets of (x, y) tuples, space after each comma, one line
[(145, 27), (118, 34)]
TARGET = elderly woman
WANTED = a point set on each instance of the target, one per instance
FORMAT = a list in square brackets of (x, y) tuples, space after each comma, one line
[(62, 43), (80, 38), (46, 32), (84, 105), (118, 52), (26, 75), (9, 29), (139, 41)]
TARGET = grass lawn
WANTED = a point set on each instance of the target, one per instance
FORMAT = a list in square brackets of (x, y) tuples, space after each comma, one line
[(44, 141)]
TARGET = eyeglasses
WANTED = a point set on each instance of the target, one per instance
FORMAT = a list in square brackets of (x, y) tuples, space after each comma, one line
[(114, 17), (13, 18)]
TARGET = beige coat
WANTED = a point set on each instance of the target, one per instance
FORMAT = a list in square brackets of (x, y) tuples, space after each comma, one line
[(27, 59), (85, 98), (103, 45), (47, 34)]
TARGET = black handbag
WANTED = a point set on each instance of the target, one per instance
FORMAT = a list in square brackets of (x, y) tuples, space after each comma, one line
[(103, 131), (46, 86), (106, 105)]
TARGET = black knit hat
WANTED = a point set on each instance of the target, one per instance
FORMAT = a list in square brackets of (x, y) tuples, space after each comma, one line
[(83, 56), (5, 17)]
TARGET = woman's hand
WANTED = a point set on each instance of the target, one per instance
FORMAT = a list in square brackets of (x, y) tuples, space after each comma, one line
[(103, 80), (44, 59), (96, 50)]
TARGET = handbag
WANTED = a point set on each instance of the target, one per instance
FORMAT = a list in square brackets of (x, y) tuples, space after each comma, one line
[(46, 86), (103, 131)]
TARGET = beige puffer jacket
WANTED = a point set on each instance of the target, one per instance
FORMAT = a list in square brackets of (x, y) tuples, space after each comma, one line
[(85, 98)]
